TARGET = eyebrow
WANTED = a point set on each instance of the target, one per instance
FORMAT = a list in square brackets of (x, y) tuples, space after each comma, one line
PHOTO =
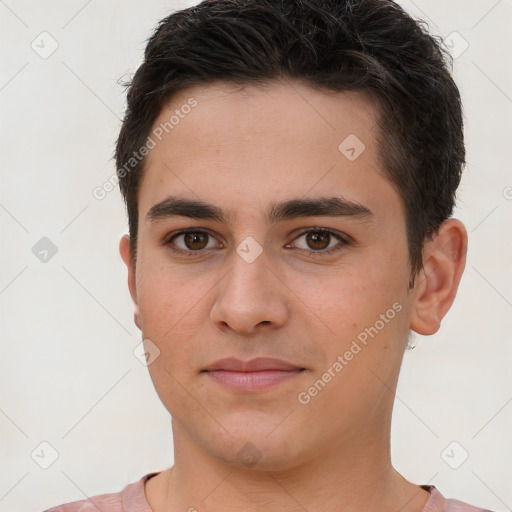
[(294, 208)]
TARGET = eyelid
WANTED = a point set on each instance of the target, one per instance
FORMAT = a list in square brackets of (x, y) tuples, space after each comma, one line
[(341, 237), (167, 239)]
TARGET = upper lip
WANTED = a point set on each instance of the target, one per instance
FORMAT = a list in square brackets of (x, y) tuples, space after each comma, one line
[(260, 363)]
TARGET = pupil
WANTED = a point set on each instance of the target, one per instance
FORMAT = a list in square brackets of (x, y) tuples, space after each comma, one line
[(191, 239), (317, 240)]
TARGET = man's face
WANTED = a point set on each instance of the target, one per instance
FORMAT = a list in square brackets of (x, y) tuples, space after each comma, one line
[(257, 285)]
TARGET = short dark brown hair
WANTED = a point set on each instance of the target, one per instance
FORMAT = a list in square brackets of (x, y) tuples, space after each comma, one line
[(372, 46)]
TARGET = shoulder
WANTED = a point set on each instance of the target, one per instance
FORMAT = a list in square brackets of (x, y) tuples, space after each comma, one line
[(438, 503), (105, 502), (460, 506), (129, 499)]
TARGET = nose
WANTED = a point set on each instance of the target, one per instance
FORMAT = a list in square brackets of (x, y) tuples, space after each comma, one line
[(251, 297)]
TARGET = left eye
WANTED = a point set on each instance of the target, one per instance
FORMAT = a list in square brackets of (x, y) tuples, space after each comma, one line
[(318, 240)]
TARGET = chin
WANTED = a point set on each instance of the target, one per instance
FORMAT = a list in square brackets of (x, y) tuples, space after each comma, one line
[(258, 446)]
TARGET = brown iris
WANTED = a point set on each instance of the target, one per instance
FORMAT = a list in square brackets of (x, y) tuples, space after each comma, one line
[(317, 240), (196, 241)]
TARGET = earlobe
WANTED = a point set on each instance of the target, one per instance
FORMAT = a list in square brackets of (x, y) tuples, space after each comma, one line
[(125, 252), (444, 259)]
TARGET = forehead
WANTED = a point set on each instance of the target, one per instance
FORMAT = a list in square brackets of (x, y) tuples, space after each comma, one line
[(282, 140), (277, 110)]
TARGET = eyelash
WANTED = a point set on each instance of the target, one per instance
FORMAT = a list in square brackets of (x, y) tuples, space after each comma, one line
[(343, 239)]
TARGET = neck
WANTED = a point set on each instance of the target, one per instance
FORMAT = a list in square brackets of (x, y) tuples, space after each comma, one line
[(349, 476)]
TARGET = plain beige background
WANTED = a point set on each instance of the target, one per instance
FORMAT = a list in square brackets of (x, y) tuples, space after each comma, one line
[(69, 377)]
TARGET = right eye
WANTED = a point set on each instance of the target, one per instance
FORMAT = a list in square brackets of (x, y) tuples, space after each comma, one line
[(190, 241)]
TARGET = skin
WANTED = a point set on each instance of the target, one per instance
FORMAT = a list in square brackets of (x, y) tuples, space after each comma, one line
[(241, 149)]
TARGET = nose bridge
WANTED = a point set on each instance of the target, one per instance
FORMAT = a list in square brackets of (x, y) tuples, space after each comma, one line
[(248, 279), (249, 295), (248, 260)]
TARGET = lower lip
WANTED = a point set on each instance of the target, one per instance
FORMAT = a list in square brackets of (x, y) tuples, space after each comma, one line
[(252, 381)]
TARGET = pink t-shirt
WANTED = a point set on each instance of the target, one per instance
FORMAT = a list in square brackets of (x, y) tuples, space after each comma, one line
[(133, 499)]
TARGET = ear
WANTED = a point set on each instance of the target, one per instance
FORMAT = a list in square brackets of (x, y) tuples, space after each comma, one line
[(124, 250), (444, 259)]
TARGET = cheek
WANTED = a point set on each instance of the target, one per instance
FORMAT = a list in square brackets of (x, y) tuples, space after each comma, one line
[(354, 298), (367, 318), (164, 298), (169, 313), (366, 310)]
